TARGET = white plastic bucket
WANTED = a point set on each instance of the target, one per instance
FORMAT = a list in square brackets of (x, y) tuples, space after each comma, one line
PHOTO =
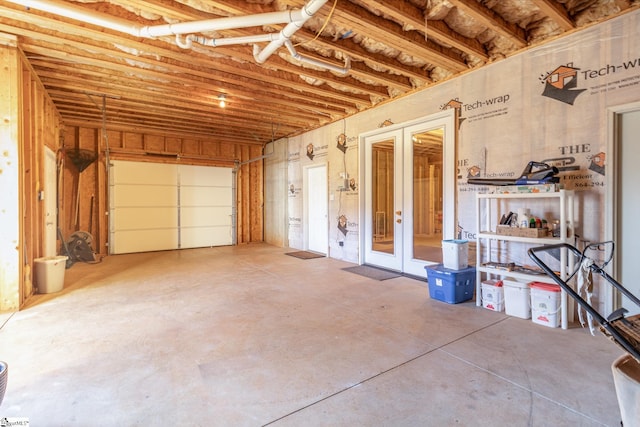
[(49, 273), (455, 254), (545, 304), (517, 300), (492, 295), (626, 378)]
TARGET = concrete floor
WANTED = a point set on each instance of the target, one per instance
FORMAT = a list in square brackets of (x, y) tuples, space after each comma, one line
[(246, 336)]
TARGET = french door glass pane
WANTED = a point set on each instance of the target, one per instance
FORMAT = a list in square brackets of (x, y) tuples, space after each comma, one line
[(427, 195), (382, 185)]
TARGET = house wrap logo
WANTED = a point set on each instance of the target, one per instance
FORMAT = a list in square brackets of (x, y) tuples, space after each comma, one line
[(561, 83), (483, 108), (455, 104)]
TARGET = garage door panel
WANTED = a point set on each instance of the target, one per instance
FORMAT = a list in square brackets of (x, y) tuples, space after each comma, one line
[(205, 196), (131, 241), (145, 218), (200, 237), (204, 175), (205, 216), (144, 173), (139, 195)]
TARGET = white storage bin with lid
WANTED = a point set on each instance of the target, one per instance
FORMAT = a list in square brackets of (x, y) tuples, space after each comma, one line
[(455, 254), (492, 295), (517, 298), (545, 304), (49, 273)]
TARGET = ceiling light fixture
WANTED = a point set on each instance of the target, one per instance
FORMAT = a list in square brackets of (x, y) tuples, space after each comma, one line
[(222, 101)]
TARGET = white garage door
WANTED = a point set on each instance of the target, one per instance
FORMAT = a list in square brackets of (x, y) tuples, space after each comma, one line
[(157, 206), (206, 201)]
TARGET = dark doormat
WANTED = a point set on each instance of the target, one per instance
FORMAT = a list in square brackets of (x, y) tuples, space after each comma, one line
[(305, 255), (372, 272)]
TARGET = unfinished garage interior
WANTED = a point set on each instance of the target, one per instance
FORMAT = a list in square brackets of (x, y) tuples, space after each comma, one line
[(215, 171)]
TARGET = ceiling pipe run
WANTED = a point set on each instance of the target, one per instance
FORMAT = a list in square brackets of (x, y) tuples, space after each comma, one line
[(285, 34), (149, 31), (227, 23), (187, 41), (295, 19), (318, 63), (62, 9)]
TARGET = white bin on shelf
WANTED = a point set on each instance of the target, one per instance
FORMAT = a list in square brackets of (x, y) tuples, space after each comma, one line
[(517, 298), (455, 254), (49, 273)]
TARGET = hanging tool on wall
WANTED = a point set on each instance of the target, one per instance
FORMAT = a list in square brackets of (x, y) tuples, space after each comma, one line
[(91, 213), (81, 158)]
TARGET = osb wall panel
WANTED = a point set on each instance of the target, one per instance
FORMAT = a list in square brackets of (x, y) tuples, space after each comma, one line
[(39, 128), (133, 141), (154, 143), (191, 146), (85, 194), (173, 145)]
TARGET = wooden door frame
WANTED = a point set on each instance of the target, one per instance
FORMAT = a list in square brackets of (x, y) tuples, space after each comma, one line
[(611, 194)]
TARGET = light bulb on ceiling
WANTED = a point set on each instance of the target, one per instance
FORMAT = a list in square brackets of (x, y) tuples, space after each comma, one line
[(221, 99)]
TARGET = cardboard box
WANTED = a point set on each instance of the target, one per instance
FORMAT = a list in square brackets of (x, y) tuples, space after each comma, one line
[(451, 286), (506, 230)]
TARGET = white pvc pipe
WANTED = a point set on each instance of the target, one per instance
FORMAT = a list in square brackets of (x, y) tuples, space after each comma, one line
[(225, 41), (79, 14), (262, 55), (317, 62), (117, 24), (217, 24), (307, 12), (184, 44)]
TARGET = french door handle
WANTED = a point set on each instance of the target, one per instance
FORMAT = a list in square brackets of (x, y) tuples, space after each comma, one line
[(398, 213)]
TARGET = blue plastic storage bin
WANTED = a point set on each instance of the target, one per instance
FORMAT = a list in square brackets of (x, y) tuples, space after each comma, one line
[(451, 286)]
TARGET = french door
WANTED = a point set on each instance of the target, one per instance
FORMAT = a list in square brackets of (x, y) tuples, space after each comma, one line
[(409, 195)]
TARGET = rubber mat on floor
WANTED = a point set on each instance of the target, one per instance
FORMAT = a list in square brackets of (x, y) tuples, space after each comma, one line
[(372, 272), (305, 255)]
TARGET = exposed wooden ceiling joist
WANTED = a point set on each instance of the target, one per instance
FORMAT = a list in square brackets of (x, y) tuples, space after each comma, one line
[(156, 86)]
